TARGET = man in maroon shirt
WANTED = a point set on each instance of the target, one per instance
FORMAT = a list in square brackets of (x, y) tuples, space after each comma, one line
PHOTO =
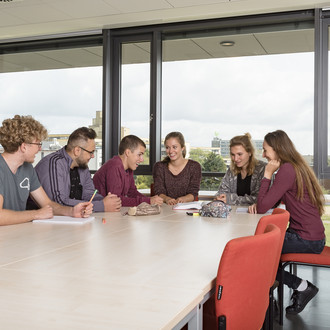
[(116, 175)]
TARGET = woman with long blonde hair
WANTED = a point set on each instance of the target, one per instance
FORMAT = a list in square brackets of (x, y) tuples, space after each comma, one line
[(241, 182), (296, 185)]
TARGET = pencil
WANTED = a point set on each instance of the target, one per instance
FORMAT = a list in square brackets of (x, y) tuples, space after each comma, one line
[(93, 195)]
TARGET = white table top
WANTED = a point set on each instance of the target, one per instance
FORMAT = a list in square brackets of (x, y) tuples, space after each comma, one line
[(127, 273)]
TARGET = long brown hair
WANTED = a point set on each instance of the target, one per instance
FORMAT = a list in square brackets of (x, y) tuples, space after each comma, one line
[(179, 137), (246, 142), (287, 153)]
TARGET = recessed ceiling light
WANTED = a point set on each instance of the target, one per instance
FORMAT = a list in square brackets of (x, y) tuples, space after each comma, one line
[(227, 43)]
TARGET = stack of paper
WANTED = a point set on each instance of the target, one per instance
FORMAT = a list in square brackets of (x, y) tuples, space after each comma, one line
[(65, 220), (188, 206)]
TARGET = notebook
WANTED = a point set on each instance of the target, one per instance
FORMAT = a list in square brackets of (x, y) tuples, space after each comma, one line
[(188, 206), (60, 219)]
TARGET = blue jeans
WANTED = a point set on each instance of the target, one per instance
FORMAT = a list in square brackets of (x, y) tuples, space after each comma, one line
[(293, 243)]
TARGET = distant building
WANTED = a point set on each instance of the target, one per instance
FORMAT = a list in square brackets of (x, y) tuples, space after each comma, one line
[(97, 126), (225, 149)]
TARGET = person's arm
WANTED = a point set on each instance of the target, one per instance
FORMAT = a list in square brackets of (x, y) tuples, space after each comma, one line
[(194, 181), (134, 197), (10, 217), (55, 180), (225, 184), (228, 188), (185, 199), (193, 184), (79, 210), (115, 183), (88, 189), (284, 181), (159, 183)]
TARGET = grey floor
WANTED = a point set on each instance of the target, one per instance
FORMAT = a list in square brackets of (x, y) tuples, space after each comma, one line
[(316, 315)]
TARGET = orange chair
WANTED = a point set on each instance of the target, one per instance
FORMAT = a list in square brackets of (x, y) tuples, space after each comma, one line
[(242, 285), (280, 218), (306, 259)]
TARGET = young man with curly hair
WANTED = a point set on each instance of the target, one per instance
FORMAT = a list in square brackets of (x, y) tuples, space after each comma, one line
[(21, 138)]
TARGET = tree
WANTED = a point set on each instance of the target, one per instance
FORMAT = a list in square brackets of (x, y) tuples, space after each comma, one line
[(143, 181), (212, 163), (198, 155)]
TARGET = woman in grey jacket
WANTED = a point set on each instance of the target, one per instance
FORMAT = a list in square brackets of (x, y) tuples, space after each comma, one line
[(241, 182)]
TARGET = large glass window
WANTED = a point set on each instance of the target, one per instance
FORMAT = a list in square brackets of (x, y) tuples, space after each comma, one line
[(217, 87), (61, 88), (135, 92)]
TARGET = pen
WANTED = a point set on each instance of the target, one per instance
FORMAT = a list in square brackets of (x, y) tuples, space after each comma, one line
[(93, 195)]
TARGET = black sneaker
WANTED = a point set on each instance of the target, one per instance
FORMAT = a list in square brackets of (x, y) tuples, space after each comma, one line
[(301, 298)]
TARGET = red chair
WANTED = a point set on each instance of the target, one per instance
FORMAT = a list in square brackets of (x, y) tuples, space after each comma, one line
[(242, 285), (306, 259), (280, 218)]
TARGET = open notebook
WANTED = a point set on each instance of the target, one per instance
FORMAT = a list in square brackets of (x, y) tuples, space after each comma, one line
[(65, 220), (197, 205)]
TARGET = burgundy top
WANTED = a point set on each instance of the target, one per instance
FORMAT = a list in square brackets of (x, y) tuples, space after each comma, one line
[(112, 177), (305, 219), (186, 182)]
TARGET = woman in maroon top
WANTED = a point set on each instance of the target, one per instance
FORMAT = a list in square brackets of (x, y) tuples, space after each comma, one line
[(296, 185), (176, 179)]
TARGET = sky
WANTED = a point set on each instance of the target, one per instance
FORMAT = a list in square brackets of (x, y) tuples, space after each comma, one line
[(201, 98)]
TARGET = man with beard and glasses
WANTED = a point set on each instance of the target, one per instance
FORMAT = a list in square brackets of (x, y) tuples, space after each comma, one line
[(65, 176)]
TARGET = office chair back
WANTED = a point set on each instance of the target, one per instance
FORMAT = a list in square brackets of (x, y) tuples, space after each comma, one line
[(242, 285), (280, 218)]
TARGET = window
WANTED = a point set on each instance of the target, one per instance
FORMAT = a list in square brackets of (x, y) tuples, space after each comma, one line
[(135, 92), (60, 88), (262, 81)]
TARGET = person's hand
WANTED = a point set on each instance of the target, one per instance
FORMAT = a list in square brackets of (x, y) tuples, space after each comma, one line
[(156, 200), (171, 201), (253, 209), (45, 212), (271, 167), (180, 200), (82, 210), (112, 203), (222, 197)]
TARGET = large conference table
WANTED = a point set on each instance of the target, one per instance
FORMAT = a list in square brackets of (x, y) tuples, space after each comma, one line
[(116, 272)]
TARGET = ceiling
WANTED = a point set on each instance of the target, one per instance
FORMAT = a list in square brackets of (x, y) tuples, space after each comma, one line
[(35, 19)]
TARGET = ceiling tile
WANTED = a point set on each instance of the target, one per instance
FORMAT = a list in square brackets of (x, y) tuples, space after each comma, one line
[(84, 8), (33, 61), (138, 5), (75, 57), (244, 45), (287, 41), (176, 50), (187, 3), (37, 13)]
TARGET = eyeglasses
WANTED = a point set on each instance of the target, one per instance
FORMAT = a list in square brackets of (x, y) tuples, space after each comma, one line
[(39, 144), (90, 152)]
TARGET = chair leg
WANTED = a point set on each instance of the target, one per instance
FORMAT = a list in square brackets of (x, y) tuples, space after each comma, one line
[(281, 294), (271, 310), (265, 326)]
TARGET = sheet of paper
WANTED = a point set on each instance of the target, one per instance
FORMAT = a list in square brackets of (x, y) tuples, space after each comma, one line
[(245, 210), (65, 220), (188, 206), (242, 210)]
